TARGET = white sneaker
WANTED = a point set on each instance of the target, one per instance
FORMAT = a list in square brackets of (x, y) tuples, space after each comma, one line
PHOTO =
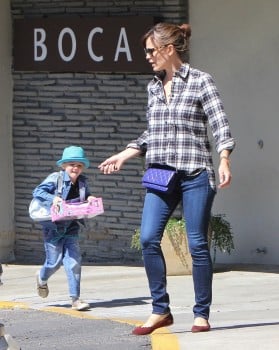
[(80, 305), (42, 289)]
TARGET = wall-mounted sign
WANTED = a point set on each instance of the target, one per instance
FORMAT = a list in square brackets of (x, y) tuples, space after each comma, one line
[(94, 44)]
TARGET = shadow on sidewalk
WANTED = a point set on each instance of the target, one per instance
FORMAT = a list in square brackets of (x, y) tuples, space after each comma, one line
[(246, 267), (236, 326), (249, 325), (113, 303)]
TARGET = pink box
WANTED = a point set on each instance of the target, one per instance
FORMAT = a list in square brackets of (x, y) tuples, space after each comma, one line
[(82, 210)]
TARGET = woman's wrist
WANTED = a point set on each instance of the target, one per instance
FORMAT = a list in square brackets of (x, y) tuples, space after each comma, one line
[(225, 160)]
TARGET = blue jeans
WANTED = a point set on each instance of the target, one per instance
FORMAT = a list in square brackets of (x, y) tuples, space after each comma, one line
[(197, 198), (62, 247)]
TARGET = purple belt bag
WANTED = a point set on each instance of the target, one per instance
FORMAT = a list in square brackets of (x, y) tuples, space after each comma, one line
[(162, 180)]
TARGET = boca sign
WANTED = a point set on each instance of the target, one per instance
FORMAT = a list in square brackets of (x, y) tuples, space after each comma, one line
[(83, 44)]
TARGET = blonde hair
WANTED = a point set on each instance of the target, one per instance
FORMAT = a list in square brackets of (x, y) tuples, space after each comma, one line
[(171, 34)]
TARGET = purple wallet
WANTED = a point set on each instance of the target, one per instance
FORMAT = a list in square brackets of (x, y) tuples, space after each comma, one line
[(159, 179)]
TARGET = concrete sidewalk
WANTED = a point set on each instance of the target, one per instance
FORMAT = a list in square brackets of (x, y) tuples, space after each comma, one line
[(244, 313)]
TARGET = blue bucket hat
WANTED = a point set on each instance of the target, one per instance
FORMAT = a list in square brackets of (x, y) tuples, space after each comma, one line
[(73, 154)]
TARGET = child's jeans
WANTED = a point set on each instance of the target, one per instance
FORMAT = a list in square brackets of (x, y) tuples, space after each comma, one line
[(62, 247)]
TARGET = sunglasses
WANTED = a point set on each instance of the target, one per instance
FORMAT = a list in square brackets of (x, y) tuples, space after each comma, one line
[(150, 51)]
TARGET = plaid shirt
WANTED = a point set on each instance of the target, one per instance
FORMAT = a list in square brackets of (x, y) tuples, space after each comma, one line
[(177, 131)]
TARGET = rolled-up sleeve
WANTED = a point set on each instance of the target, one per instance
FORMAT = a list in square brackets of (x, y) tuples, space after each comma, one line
[(217, 118), (140, 143)]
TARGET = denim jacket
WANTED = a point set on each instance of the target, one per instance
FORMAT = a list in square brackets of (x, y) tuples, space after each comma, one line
[(47, 190)]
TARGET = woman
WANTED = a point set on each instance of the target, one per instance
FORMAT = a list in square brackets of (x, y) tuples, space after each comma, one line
[(181, 102)]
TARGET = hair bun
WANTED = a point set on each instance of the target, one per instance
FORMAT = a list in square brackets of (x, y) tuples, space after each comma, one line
[(186, 28)]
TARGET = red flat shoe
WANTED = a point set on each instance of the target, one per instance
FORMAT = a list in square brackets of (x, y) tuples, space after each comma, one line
[(167, 321), (197, 329)]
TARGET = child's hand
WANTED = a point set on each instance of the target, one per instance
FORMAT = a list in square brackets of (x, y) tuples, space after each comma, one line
[(56, 200), (90, 199)]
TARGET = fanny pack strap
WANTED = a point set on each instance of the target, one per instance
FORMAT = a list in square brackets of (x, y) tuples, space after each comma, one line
[(60, 183), (81, 191)]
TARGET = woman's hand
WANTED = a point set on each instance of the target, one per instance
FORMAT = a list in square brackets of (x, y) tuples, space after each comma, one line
[(225, 175), (112, 164), (115, 162)]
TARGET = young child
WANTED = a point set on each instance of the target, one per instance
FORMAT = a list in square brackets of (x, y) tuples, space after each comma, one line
[(61, 237)]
